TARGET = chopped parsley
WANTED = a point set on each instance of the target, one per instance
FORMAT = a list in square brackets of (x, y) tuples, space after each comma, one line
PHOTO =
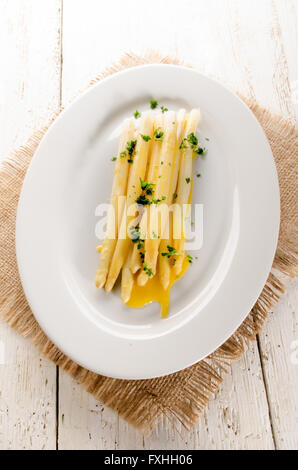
[(182, 145), (175, 195), (193, 140), (163, 109), (136, 236), (194, 144), (146, 137), (200, 151), (148, 190), (114, 159), (189, 258), (187, 180), (207, 138), (142, 200), (123, 154), (130, 146), (147, 270), (137, 114), (147, 187), (153, 104), (171, 252), (157, 201), (158, 135), (198, 175)]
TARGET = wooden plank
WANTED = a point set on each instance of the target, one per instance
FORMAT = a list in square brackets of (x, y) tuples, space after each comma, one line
[(286, 19), (30, 59), (236, 419), (277, 42), (81, 417), (277, 345), (239, 418), (27, 397)]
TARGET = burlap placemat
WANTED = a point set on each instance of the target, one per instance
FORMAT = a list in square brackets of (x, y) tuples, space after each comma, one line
[(180, 396)]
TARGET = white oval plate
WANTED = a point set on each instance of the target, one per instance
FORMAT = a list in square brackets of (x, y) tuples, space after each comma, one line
[(71, 173)]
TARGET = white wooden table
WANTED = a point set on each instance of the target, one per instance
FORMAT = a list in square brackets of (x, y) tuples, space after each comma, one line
[(50, 49)]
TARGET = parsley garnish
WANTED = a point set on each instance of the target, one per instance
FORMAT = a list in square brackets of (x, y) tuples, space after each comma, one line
[(163, 109), (147, 270), (157, 201), (201, 151), (153, 104), (158, 134), (171, 252), (187, 180), (192, 139), (194, 144), (143, 200), (114, 159), (146, 137), (123, 154), (175, 195), (198, 175), (189, 258), (147, 187), (137, 114), (130, 146), (183, 145), (148, 190), (136, 236)]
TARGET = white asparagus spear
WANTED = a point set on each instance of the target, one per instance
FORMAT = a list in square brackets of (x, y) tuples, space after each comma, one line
[(161, 193), (151, 177), (127, 278), (164, 261), (137, 173), (184, 185), (119, 189)]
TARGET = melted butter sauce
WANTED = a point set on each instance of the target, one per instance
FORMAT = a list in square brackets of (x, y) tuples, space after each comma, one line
[(154, 292)]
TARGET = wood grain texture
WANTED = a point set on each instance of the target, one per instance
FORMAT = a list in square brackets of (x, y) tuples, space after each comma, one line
[(27, 396), (229, 422), (29, 94), (280, 371), (249, 46)]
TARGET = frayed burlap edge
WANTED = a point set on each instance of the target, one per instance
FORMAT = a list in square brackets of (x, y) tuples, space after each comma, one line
[(179, 397)]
